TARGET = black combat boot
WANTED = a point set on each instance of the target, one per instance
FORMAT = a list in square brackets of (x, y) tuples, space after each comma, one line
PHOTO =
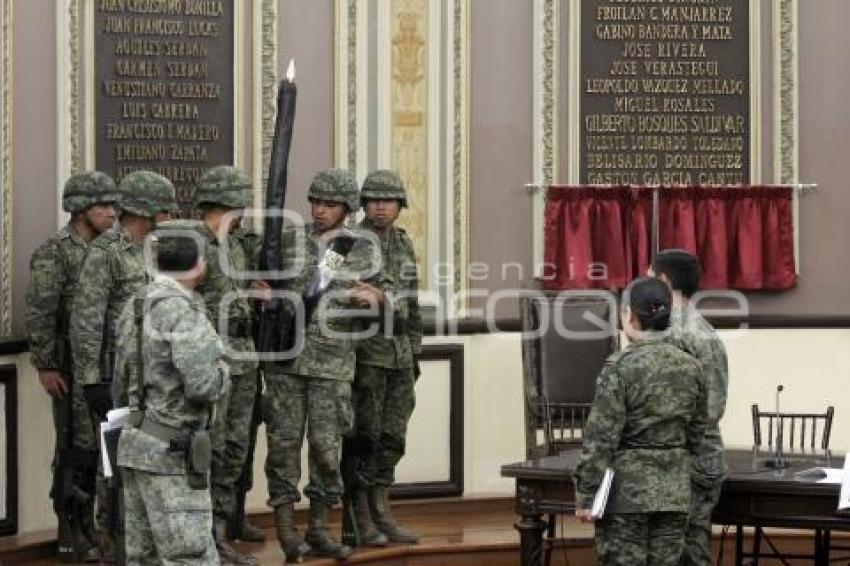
[(73, 546), (379, 502), (293, 547), (320, 541), (226, 553), (357, 526), (250, 533)]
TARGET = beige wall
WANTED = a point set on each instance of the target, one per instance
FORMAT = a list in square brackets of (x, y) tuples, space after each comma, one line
[(34, 115), (307, 35)]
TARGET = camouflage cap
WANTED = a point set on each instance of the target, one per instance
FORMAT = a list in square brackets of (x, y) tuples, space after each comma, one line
[(335, 185), (87, 189), (383, 184), (146, 194), (224, 185)]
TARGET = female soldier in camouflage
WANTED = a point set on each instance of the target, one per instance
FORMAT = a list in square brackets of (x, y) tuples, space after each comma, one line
[(647, 419)]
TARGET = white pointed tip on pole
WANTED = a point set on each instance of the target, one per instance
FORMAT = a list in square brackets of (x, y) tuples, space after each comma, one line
[(290, 71)]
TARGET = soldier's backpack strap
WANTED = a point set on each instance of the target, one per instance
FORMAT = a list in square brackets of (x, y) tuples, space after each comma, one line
[(136, 400)]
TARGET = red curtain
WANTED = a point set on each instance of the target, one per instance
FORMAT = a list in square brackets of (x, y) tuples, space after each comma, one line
[(596, 238), (600, 237)]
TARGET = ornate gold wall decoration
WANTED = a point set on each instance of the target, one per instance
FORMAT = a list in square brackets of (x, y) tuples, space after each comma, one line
[(548, 107), (410, 117), (460, 151), (6, 33), (265, 93), (75, 100), (351, 90), (786, 124)]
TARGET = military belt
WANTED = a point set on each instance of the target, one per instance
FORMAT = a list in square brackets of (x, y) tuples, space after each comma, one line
[(162, 432)]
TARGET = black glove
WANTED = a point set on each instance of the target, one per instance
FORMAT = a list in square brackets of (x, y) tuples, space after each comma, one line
[(99, 399), (417, 371)]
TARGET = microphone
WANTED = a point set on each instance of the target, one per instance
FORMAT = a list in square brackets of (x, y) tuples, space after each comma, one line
[(779, 456)]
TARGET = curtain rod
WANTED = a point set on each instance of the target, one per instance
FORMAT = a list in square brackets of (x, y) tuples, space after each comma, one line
[(534, 189)]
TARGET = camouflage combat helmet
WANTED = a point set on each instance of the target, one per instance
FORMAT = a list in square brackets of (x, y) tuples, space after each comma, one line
[(145, 193), (383, 184), (86, 189), (224, 185), (335, 185)]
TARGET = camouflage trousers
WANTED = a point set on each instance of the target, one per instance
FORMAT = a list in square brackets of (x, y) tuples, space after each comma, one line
[(640, 539), (383, 402), (704, 497), (290, 404), (230, 437), (167, 522)]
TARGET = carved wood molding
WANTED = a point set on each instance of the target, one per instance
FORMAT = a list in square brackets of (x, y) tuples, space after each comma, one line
[(460, 166), (545, 108), (6, 51), (265, 63), (786, 73)]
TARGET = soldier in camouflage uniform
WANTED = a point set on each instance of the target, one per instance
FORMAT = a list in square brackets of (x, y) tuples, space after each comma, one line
[(647, 421), (222, 193), (681, 270), (387, 368), (164, 448), (54, 268), (315, 387), (238, 525), (111, 273)]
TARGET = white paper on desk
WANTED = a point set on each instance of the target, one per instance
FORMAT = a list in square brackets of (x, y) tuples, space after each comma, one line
[(844, 495), (822, 475), (600, 500), (114, 419)]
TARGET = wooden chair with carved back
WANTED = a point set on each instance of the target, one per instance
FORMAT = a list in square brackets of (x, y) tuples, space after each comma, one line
[(566, 340)]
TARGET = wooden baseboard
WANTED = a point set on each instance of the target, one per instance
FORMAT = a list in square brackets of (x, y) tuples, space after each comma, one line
[(490, 518)]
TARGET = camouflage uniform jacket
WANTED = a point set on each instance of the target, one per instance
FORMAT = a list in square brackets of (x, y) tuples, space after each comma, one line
[(112, 272), (250, 242), (54, 269), (398, 261), (648, 415), (182, 372), (692, 333), (222, 282), (324, 355)]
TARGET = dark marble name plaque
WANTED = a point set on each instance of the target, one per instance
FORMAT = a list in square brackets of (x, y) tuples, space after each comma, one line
[(665, 92), (164, 88)]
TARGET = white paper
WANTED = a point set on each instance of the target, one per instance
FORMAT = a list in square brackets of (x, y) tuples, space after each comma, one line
[(601, 497), (844, 496), (822, 475), (114, 419)]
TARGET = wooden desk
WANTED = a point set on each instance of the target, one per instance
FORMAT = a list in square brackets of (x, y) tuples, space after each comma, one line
[(757, 496), (751, 497), (543, 486)]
